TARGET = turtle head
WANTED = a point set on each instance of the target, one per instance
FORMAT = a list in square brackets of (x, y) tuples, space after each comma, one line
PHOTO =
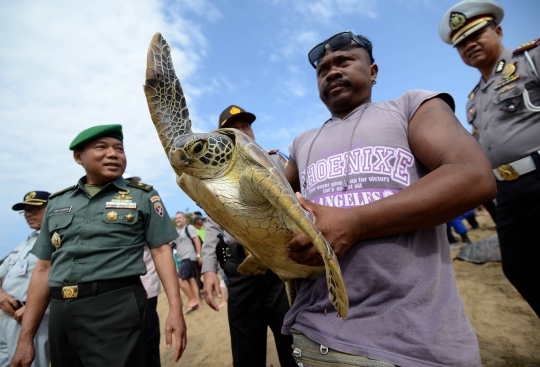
[(201, 155)]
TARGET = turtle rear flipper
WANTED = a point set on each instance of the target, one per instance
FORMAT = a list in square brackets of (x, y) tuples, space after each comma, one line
[(252, 266)]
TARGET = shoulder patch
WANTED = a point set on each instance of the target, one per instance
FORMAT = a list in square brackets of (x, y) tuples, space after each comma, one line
[(527, 46), (62, 191), (140, 185)]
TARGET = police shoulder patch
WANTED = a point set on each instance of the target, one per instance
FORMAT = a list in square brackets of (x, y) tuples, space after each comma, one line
[(140, 185), (527, 46), (62, 191)]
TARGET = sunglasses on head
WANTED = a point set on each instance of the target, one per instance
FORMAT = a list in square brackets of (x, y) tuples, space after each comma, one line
[(337, 42)]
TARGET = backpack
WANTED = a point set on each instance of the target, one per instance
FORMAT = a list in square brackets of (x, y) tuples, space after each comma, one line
[(191, 239)]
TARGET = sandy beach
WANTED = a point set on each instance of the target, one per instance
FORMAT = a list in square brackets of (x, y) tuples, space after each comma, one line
[(508, 331)]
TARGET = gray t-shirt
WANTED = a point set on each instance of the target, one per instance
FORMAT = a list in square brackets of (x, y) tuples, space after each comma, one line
[(184, 246), (404, 304)]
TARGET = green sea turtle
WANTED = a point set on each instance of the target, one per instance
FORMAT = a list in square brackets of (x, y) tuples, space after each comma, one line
[(236, 183)]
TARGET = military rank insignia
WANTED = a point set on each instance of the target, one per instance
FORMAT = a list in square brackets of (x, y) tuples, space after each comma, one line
[(527, 46)]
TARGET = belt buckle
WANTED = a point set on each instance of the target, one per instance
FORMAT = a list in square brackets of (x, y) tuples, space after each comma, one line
[(507, 172), (70, 291)]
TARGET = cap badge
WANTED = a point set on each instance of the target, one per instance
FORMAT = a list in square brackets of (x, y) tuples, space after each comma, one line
[(111, 216), (500, 66), (55, 240), (235, 110), (30, 196), (457, 20)]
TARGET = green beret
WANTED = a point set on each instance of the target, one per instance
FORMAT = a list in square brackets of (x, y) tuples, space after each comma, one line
[(113, 131)]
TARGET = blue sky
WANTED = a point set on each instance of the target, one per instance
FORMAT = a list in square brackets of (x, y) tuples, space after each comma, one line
[(69, 65)]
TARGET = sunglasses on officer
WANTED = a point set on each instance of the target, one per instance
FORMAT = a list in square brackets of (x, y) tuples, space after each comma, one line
[(337, 42)]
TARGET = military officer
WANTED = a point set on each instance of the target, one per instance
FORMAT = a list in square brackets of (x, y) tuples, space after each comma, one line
[(15, 273), (254, 302), (504, 110), (90, 252)]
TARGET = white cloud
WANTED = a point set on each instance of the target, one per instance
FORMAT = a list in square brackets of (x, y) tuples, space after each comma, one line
[(66, 66)]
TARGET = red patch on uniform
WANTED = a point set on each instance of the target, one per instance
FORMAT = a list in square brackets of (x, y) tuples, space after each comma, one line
[(158, 208)]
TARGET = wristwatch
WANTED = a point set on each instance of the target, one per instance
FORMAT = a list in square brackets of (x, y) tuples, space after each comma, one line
[(198, 255)]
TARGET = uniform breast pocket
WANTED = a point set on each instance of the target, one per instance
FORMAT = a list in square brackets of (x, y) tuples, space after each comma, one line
[(509, 101), (121, 227), (59, 227)]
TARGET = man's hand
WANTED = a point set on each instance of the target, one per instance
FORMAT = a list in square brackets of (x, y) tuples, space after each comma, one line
[(24, 354), (334, 224), (8, 304), (176, 324), (18, 316), (211, 288)]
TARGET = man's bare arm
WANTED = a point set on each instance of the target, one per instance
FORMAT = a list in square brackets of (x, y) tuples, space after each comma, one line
[(36, 305), (460, 179), (175, 324)]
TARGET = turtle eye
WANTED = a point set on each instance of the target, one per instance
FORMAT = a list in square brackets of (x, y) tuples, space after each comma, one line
[(198, 147)]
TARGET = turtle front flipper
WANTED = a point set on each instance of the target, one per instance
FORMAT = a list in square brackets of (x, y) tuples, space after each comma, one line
[(164, 94), (280, 196)]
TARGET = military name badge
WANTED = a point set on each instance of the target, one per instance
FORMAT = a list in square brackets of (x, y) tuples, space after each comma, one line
[(67, 209), (500, 66), (121, 202), (56, 240)]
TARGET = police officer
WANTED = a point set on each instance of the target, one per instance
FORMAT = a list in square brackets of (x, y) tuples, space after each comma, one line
[(504, 110), (254, 302), (15, 273), (90, 252)]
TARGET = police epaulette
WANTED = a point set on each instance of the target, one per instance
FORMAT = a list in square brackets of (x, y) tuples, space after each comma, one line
[(473, 92), (140, 185), (61, 191), (527, 46)]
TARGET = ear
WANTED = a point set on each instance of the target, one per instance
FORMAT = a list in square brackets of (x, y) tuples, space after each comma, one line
[(77, 156), (499, 32), (374, 72)]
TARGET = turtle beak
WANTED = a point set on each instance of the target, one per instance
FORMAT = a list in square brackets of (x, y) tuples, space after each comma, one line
[(179, 160)]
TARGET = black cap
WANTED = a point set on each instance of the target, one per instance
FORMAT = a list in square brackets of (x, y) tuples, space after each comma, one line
[(34, 198), (197, 217), (233, 113)]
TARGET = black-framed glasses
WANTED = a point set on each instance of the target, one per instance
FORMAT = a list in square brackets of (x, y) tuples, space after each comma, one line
[(337, 42), (33, 210)]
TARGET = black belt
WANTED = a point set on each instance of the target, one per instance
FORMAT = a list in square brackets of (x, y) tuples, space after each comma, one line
[(91, 289)]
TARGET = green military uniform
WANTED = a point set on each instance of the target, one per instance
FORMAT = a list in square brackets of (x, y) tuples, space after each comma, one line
[(96, 240), (99, 237)]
